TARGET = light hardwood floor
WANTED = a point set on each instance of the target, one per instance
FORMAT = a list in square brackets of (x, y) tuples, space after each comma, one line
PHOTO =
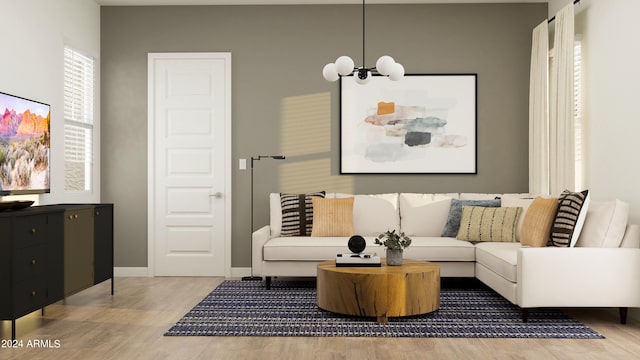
[(130, 325)]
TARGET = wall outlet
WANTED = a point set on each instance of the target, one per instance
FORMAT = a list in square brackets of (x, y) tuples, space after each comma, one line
[(242, 164)]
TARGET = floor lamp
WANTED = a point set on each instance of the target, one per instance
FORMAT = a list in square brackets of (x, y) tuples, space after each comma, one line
[(257, 158)]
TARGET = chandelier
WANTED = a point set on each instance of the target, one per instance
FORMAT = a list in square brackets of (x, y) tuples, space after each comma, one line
[(344, 65)]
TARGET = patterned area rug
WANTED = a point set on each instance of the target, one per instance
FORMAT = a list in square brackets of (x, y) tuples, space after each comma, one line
[(245, 308)]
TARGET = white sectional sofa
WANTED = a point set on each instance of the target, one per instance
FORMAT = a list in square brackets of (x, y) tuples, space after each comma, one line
[(530, 277)]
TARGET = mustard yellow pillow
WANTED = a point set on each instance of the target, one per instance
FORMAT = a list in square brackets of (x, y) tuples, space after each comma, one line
[(332, 217), (479, 223), (536, 225)]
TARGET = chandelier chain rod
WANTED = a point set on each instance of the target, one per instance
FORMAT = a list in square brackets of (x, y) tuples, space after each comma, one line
[(363, 34)]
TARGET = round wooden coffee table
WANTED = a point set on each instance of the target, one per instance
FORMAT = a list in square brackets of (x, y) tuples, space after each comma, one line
[(382, 292)]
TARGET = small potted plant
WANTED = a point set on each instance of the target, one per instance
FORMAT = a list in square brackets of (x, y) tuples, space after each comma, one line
[(395, 244)]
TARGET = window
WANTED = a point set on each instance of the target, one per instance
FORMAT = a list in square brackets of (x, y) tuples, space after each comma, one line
[(78, 120), (577, 113), (579, 136)]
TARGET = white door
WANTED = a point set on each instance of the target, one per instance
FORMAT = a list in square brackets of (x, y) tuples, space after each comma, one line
[(189, 153)]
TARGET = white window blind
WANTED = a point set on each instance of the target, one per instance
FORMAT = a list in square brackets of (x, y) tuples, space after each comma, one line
[(579, 137), (577, 113), (78, 119)]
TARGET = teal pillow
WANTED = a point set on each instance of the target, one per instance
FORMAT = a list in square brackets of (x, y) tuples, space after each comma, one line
[(455, 213)]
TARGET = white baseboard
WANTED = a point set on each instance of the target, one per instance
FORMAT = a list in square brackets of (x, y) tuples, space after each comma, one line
[(130, 272), (236, 272)]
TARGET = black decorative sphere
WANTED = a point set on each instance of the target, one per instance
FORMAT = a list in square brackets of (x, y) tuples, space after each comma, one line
[(357, 244)]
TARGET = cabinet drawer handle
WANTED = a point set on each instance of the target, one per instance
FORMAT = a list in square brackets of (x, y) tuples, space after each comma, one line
[(33, 293), (33, 261), (33, 230), (70, 217), (75, 216), (97, 213)]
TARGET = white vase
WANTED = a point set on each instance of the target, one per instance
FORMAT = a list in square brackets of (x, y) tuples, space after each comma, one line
[(394, 257)]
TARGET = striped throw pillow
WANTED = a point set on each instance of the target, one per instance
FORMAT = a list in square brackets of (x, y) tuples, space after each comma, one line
[(572, 211), (488, 223), (452, 226), (297, 213)]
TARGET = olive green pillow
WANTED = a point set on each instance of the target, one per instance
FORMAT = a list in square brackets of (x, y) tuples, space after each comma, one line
[(489, 224)]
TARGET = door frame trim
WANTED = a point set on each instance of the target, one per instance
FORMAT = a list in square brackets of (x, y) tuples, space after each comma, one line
[(151, 185)]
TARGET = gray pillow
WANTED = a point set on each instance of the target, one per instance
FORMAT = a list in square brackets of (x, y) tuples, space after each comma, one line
[(455, 213)]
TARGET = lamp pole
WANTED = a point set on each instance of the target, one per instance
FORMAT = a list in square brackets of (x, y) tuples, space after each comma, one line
[(256, 158)]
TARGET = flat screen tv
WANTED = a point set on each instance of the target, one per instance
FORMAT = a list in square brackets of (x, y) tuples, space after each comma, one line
[(24, 146)]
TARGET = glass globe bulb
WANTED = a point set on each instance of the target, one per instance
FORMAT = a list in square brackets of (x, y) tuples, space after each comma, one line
[(385, 64), (366, 76), (344, 65), (397, 73), (330, 73)]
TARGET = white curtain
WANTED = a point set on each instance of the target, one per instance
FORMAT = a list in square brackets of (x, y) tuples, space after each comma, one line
[(561, 119), (539, 111)]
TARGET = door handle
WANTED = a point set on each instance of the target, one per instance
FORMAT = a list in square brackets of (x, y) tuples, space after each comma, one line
[(217, 195)]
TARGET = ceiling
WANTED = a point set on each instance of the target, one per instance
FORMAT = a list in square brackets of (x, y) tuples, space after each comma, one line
[(296, 2)]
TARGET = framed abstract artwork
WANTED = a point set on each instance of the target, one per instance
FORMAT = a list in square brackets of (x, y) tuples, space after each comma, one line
[(422, 124)]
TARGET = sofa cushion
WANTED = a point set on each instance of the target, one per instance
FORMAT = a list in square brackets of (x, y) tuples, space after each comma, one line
[(483, 196), (424, 214), (501, 258), (309, 248), (332, 217), (375, 214), (275, 214), (572, 211), (455, 213), (438, 249), (478, 196), (631, 237), (605, 224), (297, 213), (524, 203), (488, 224), (517, 196), (536, 226)]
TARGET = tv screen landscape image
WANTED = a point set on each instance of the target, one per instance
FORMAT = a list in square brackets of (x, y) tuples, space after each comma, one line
[(24, 146)]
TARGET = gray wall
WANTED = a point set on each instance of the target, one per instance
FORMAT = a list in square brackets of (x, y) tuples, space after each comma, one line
[(278, 53)]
